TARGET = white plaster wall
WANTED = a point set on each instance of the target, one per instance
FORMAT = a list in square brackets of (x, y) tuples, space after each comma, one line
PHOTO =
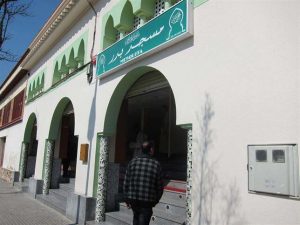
[(244, 56), (13, 143), (81, 96), (76, 89), (12, 133)]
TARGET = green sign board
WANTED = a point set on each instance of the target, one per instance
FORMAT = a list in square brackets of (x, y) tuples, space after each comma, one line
[(158, 32)]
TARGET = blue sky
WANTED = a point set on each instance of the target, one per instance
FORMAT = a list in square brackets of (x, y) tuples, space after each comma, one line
[(24, 29)]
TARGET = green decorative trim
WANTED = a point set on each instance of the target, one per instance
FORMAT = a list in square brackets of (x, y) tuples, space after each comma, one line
[(96, 170), (56, 118), (28, 129), (36, 84), (71, 58), (59, 83), (120, 18), (112, 112), (199, 2)]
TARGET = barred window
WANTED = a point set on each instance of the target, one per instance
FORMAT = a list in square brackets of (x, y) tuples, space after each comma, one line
[(159, 7), (136, 22)]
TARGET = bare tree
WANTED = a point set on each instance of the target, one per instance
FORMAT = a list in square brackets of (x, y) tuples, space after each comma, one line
[(9, 9)]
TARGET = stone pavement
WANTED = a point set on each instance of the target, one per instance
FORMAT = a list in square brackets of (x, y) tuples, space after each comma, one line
[(17, 208)]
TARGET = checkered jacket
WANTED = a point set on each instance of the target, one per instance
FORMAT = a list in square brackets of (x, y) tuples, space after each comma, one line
[(143, 180)]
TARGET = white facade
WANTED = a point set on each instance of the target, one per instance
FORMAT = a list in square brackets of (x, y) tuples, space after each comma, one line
[(12, 133), (242, 61)]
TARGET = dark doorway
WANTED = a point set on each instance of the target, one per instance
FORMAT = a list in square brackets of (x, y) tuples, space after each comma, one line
[(2, 150), (68, 147), (148, 112), (65, 155), (32, 152)]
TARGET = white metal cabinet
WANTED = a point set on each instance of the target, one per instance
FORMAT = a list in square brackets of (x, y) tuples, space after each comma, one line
[(273, 169)]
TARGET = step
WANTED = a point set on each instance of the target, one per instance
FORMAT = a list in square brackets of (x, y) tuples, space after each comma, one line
[(164, 211), (173, 198), (72, 181), (176, 184), (53, 202), (59, 193), (95, 223), (172, 214), (155, 220), (119, 218), (68, 187), (22, 186)]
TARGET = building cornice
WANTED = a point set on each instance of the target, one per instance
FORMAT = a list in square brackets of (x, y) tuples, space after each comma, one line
[(59, 14), (66, 14)]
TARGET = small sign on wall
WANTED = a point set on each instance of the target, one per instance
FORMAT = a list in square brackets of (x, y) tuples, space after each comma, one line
[(84, 148)]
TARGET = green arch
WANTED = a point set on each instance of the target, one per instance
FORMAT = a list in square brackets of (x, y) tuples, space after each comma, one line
[(114, 105), (56, 74), (34, 88), (143, 8), (109, 33), (38, 85), (81, 53), (56, 118), (126, 18), (71, 61), (42, 81), (63, 66), (29, 126)]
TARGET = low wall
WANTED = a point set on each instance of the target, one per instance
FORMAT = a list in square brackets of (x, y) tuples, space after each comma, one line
[(8, 175)]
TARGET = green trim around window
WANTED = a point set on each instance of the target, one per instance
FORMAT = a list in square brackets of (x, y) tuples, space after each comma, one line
[(72, 58), (36, 84)]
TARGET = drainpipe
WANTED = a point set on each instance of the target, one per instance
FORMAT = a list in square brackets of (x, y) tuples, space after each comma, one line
[(90, 77)]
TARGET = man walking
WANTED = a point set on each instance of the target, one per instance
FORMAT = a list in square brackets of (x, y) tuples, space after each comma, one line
[(143, 186)]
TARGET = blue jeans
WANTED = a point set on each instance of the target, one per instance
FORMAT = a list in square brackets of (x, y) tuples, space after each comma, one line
[(141, 216)]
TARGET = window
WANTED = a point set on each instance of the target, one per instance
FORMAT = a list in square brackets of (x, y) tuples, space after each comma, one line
[(6, 114), (18, 106), (13, 111), (261, 155), (136, 23), (278, 156), (159, 7)]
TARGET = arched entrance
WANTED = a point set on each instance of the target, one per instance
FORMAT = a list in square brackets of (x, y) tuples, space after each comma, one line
[(142, 107), (148, 112), (61, 147), (29, 149)]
